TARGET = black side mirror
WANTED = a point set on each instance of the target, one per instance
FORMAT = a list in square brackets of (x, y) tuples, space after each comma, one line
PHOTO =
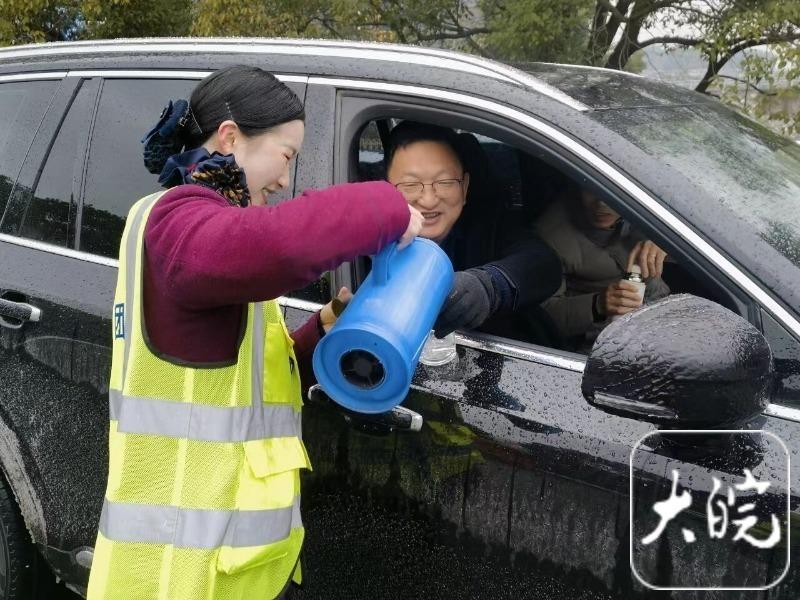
[(683, 362)]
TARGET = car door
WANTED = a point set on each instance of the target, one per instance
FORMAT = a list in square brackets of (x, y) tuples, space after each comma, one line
[(513, 477), (48, 455), (484, 450)]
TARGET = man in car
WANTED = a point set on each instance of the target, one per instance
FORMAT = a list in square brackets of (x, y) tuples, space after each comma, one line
[(597, 249), (497, 272)]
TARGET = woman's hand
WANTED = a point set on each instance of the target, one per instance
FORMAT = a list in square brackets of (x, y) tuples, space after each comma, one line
[(414, 228), (649, 257), (331, 311), (619, 298)]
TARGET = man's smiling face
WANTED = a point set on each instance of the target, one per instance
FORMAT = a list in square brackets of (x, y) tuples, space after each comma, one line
[(430, 162)]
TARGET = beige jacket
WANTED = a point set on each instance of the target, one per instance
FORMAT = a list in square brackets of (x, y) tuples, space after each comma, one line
[(588, 270)]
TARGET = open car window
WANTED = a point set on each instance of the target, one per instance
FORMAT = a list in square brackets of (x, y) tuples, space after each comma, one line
[(511, 187)]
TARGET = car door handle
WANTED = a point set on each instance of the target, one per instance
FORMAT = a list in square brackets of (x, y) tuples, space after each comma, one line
[(18, 313), (397, 419)]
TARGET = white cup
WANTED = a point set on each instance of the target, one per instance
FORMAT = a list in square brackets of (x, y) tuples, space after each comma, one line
[(437, 352)]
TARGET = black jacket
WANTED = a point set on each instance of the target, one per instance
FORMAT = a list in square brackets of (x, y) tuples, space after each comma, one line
[(532, 268)]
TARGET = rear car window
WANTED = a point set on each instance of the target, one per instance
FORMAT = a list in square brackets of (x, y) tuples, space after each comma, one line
[(22, 106), (48, 210)]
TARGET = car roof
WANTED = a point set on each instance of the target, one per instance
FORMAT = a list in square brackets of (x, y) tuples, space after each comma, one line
[(578, 87), (608, 89), (366, 53)]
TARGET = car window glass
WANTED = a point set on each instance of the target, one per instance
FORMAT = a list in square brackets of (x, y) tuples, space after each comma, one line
[(786, 350), (116, 177), (752, 175), (48, 210), (370, 154), (22, 105)]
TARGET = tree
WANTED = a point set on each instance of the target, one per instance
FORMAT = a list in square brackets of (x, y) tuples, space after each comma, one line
[(543, 30), (764, 33), (604, 33), (403, 21), (594, 32), (723, 29), (223, 18), (32, 21), (134, 18)]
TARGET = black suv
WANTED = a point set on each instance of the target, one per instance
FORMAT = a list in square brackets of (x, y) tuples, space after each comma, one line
[(511, 473)]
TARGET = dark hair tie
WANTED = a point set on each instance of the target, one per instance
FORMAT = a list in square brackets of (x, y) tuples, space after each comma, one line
[(168, 136)]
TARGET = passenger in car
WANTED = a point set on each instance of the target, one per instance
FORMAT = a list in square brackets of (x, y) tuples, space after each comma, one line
[(597, 248), (497, 272)]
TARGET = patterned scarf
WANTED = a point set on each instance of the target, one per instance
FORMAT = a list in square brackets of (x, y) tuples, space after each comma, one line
[(216, 171)]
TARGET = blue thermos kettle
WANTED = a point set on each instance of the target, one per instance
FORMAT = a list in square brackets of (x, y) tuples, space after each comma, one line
[(367, 360)]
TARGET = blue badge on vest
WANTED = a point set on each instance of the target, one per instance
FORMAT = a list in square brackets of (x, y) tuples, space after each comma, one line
[(119, 321)]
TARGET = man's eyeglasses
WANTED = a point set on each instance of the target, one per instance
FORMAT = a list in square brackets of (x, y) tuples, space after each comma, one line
[(443, 188)]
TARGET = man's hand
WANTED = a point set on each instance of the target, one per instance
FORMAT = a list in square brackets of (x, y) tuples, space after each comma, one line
[(649, 257), (414, 228), (619, 298), (331, 311), (469, 303)]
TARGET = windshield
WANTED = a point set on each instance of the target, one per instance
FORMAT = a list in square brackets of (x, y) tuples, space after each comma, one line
[(753, 173)]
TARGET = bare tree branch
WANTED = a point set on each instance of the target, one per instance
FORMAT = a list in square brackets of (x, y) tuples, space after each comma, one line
[(613, 9), (326, 22), (736, 45), (739, 45), (715, 66), (605, 30), (627, 45), (696, 11), (669, 39), (644, 8), (749, 83), (455, 35)]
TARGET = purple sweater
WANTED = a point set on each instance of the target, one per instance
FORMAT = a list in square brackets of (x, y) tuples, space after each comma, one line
[(205, 259)]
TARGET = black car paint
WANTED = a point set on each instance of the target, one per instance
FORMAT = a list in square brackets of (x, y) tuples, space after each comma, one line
[(513, 469)]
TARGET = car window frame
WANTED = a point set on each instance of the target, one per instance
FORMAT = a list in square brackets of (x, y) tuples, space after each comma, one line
[(653, 220)]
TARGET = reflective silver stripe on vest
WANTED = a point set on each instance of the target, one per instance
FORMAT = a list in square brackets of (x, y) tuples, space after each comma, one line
[(130, 275), (192, 421), (196, 528), (257, 354), (297, 520)]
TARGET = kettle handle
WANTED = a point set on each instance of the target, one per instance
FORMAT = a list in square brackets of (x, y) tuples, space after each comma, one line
[(381, 263)]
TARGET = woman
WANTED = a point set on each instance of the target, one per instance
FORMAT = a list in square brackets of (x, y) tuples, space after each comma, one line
[(205, 450)]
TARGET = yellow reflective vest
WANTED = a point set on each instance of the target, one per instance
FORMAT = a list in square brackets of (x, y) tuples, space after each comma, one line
[(203, 496)]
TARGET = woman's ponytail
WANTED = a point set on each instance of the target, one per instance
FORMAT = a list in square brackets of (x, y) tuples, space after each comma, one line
[(174, 130)]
